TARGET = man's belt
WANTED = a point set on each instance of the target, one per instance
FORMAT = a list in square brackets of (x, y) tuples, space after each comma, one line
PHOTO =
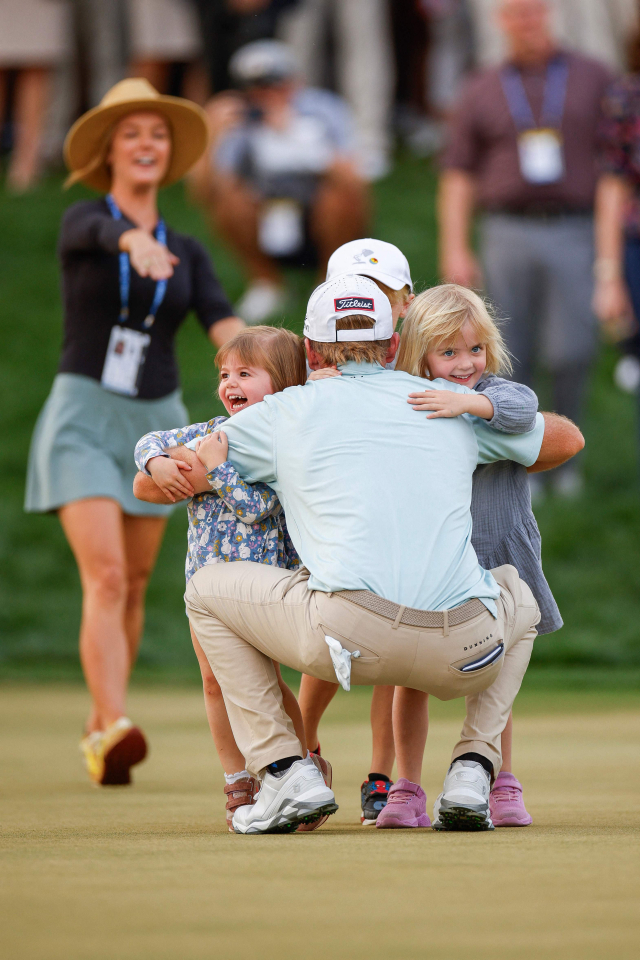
[(433, 619)]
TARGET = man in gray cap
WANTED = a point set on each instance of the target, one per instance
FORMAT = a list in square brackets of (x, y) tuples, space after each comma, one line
[(281, 182)]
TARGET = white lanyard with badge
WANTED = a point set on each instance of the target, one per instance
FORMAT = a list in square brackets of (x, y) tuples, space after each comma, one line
[(540, 147), (127, 350)]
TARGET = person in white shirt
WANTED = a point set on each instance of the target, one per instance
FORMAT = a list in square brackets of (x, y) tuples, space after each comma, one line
[(281, 183)]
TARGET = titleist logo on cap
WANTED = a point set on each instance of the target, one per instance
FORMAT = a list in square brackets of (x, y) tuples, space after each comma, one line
[(353, 303)]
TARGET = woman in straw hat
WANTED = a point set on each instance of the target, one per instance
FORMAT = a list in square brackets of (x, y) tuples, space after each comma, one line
[(128, 283)]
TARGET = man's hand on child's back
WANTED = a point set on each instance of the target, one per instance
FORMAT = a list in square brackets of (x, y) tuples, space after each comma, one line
[(213, 450), (448, 403), (169, 476)]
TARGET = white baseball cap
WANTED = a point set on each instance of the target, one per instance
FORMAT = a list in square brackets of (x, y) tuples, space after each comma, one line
[(347, 296), (372, 258), (263, 61)]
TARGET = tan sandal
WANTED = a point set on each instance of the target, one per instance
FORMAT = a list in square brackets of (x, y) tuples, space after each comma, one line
[(239, 794)]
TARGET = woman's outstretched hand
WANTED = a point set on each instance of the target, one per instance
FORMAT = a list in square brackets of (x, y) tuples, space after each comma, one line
[(148, 257), (168, 475)]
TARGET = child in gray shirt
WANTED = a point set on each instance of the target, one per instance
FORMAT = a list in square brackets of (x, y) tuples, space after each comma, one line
[(449, 334)]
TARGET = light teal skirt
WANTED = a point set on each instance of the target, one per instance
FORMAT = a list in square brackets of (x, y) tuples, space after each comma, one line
[(83, 444)]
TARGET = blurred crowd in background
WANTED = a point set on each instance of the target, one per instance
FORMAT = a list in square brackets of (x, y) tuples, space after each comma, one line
[(397, 63), (532, 107)]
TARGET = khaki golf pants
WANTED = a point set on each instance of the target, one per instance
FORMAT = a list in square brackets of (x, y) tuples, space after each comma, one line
[(246, 614)]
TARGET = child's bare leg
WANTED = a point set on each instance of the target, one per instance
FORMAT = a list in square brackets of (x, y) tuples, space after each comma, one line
[(230, 757), (410, 728), (506, 745), (292, 709), (315, 696), (506, 801), (383, 752)]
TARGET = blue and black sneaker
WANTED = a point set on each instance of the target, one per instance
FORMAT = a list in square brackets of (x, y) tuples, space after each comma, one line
[(373, 797)]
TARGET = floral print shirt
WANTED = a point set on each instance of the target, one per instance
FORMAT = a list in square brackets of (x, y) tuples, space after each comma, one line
[(236, 521), (620, 142)]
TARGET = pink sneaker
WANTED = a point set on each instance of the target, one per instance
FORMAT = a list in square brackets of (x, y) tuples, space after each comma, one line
[(406, 807), (506, 803)]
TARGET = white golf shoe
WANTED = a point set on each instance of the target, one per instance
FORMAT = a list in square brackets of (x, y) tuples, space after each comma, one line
[(464, 801), (283, 803)]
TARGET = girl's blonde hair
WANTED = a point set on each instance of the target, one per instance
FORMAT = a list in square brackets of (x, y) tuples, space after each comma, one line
[(436, 317), (278, 351)]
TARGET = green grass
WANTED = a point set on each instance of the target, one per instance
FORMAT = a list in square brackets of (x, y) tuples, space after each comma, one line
[(149, 872), (591, 547)]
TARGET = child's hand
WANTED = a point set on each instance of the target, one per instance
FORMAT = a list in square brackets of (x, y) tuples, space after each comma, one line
[(443, 403), (325, 374), (213, 450), (448, 403), (169, 477)]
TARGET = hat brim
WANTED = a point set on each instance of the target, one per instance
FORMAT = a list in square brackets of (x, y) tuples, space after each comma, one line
[(374, 274), (188, 128)]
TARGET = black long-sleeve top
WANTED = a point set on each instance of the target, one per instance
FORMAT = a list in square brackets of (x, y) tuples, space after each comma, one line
[(88, 251)]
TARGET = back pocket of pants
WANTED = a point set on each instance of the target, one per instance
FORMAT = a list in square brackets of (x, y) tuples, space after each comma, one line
[(470, 668), (367, 666), (486, 661)]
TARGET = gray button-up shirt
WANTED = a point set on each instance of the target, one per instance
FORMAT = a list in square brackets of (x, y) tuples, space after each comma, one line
[(504, 527)]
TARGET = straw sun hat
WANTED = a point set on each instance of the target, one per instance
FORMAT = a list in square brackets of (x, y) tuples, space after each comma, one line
[(86, 144)]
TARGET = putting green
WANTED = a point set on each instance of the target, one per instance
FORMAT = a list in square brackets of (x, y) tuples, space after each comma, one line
[(149, 873)]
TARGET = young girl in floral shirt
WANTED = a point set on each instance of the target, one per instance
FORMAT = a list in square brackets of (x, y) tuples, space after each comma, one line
[(235, 520)]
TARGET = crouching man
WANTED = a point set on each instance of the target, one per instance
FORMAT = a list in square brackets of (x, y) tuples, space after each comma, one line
[(377, 502)]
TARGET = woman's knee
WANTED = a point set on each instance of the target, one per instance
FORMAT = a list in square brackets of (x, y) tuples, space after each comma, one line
[(136, 589), (107, 582)]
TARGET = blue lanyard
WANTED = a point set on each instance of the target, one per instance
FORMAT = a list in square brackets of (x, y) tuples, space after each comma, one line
[(555, 93), (125, 272)]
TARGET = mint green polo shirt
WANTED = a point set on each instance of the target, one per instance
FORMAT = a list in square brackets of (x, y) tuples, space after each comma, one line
[(377, 497)]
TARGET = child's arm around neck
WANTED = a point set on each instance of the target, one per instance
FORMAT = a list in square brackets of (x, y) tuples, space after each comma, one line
[(439, 402)]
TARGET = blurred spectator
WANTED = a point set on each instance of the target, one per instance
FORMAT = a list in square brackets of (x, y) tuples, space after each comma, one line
[(617, 267), (597, 28), (34, 38), (163, 33), (360, 35), (522, 149), (410, 39), (451, 53), (434, 51), (102, 42), (280, 185), (227, 25)]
